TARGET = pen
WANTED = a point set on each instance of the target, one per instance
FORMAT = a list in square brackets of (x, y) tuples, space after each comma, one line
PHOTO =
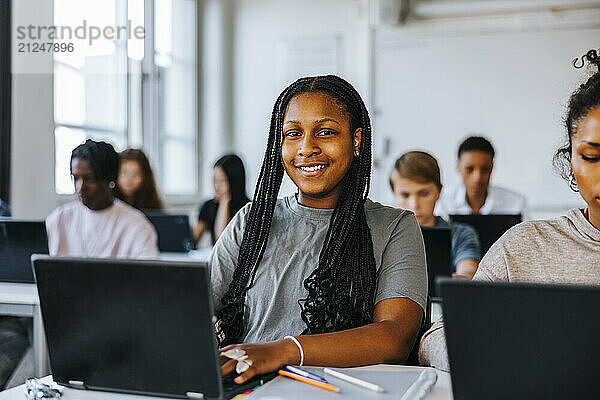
[(356, 381), (312, 382), (304, 373)]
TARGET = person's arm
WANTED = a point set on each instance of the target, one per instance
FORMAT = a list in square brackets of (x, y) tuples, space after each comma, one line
[(400, 298), (222, 218), (466, 250), (466, 269), (199, 229), (390, 338), (205, 216)]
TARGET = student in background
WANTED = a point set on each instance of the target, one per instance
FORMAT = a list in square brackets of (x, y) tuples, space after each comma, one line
[(559, 250), (344, 275), (475, 195), (97, 224), (415, 181), (229, 180), (136, 184)]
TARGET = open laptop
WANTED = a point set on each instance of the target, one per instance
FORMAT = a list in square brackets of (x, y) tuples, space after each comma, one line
[(131, 326), (489, 227), (438, 249), (521, 341), (20, 239), (174, 232)]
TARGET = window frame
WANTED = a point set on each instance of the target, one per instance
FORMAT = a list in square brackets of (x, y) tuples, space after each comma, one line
[(152, 140)]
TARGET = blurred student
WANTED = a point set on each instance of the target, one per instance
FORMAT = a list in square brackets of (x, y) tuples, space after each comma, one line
[(97, 224), (229, 180), (475, 195), (136, 184), (563, 250), (415, 181)]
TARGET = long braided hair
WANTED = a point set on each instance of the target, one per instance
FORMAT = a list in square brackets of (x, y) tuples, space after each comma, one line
[(341, 288)]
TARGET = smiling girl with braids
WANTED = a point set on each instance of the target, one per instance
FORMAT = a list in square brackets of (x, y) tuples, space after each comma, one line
[(344, 275)]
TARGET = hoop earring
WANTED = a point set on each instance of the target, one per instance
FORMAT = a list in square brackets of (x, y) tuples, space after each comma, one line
[(573, 183)]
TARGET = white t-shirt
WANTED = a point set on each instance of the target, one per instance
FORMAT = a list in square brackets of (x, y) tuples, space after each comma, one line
[(118, 231), (498, 201)]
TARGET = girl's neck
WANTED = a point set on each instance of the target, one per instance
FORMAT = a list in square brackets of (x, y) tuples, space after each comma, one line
[(593, 218), (327, 201), (430, 221)]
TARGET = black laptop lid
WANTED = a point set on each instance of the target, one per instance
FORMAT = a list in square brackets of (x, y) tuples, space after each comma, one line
[(18, 241), (489, 227), (174, 232), (438, 249), (521, 341), (129, 326)]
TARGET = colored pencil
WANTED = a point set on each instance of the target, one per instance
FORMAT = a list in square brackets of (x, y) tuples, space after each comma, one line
[(309, 381)]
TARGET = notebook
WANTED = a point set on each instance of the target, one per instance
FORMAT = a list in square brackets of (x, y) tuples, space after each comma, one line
[(396, 383)]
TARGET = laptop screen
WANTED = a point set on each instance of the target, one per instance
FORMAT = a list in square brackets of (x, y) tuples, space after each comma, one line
[(129, 326), (18, 241)]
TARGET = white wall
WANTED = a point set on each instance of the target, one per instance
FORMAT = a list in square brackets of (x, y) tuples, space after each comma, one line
[(510, 86), (261, 26), (32, 147)]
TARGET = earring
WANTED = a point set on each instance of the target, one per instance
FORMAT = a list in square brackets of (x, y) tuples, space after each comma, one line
[(573, 183), (356, 153), (112, 184)]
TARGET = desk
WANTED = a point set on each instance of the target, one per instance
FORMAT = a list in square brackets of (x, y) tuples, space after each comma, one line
[(194, 255), (441, 391), (21, 300)]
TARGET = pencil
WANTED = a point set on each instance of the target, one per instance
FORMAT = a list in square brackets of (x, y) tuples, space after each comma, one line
[(356, 381), (318, 384)]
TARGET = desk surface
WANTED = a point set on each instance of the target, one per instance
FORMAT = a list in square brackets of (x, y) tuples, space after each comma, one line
[(441, 391), (19, 293)]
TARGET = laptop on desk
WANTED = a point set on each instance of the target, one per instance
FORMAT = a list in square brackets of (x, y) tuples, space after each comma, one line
[(174, 232), (131, 326), (489, 227), (521, 341), (20, 239), (438, 250)]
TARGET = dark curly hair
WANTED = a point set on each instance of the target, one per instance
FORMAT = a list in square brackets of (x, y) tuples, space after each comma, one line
[(103, 159), (476, 143), (582, 101), (341, 288), (146, 197)]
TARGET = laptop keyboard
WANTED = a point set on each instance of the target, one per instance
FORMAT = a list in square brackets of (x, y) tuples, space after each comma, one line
[(231, 389)]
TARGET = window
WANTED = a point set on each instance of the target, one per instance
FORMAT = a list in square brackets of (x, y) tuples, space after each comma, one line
[(175, 68), (129, 91)]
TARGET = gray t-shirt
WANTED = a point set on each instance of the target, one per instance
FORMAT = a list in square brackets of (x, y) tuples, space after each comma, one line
[(563, 250), (292, 253)]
